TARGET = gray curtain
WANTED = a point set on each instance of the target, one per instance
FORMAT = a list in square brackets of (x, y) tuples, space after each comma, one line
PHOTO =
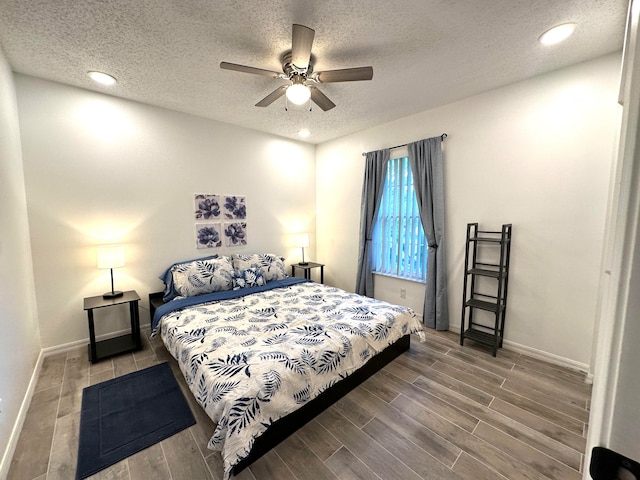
[(425, 158), (374, 175)]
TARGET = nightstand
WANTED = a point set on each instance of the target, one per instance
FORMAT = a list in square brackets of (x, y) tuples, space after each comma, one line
[(155, 301), (306, 268), (113, 346)]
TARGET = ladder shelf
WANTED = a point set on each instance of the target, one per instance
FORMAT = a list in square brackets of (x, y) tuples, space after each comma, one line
[(481, 244)]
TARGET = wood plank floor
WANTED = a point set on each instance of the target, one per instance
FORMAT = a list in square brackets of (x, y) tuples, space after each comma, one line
[(440, 411)]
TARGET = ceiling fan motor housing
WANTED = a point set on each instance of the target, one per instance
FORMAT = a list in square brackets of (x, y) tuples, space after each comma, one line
[(290, 70)]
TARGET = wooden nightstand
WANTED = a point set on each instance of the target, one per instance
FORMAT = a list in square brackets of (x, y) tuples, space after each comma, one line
[(121, 344), (306, 269)]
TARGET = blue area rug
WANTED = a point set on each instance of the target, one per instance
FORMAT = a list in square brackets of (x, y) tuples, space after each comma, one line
[(122, 416)]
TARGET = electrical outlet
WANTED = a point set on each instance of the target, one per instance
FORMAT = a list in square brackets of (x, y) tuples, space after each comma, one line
[(403, 293)]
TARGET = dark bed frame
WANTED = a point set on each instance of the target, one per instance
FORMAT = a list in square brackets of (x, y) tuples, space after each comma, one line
[(282, 428), (285, 426)]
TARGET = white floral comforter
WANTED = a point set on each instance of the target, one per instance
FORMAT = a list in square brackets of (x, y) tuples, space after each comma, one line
[(252, 360)]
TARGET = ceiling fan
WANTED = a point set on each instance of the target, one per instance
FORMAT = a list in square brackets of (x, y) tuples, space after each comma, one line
[(297, 68)]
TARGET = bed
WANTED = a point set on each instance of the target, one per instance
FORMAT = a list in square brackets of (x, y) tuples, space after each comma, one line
[(264, 353)]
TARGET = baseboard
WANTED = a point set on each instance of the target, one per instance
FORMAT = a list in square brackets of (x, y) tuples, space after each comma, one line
[(26, 402), (65, 347), (22, 415), (589, 378), (540, 355), (546, 356)]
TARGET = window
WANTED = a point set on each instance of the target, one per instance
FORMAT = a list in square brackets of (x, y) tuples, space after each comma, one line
[(399, 244)]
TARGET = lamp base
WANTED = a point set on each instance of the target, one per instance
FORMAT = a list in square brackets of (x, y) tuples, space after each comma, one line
[(303, 263), (115, 294)]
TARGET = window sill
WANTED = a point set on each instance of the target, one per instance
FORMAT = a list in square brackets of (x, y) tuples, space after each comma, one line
[(388, 275)]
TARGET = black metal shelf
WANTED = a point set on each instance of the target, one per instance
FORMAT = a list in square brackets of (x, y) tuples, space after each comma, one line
[(495, 270), (483, 305), (485, 338), (485, 239), (483, 272)]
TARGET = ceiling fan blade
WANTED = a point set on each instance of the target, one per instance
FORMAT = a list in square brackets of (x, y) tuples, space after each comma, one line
[(345, 75), (301, 43), (321, 99), (272, 97), (245, 69)]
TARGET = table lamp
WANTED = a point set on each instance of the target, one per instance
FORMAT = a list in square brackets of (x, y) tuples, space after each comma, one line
[(111, 256), (303, 241)]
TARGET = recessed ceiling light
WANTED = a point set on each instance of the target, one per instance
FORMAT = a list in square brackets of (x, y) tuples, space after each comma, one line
[(101, 78), (304, 133), (557, 34)]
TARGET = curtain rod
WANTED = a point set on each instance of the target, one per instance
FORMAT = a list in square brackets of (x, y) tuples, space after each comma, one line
[(443, 136)]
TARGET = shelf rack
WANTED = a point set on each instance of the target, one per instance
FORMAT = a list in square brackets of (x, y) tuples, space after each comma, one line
[(486, 256)]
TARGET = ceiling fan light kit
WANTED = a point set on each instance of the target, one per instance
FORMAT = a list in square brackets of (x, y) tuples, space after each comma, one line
[(298, 93), (297, 68)]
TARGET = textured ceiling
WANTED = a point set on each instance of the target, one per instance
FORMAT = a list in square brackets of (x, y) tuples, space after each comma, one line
[(424, 53)]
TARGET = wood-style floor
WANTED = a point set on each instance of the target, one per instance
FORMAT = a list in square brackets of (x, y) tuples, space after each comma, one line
[(440, 411)]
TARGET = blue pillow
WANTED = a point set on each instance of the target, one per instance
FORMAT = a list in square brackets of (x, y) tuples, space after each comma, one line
[(170, 291), (250, 277)]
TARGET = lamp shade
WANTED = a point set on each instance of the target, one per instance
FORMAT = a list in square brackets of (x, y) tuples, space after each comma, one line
[(303, 240), (110, 256)]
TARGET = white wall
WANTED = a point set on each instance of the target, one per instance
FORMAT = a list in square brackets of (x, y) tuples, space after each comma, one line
[(614, 421), (536, 154), (19, 341), (100, 170)]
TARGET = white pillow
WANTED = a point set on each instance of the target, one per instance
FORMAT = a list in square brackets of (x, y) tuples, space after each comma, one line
[(272, 266), (203, 276)]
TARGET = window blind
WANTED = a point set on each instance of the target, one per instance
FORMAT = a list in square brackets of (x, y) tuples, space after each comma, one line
[(399, 245)]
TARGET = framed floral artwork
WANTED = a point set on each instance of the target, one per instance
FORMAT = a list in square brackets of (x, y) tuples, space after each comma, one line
[(235, 233), (210, 210), (207, 207), (234, 207), (208, 235)]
